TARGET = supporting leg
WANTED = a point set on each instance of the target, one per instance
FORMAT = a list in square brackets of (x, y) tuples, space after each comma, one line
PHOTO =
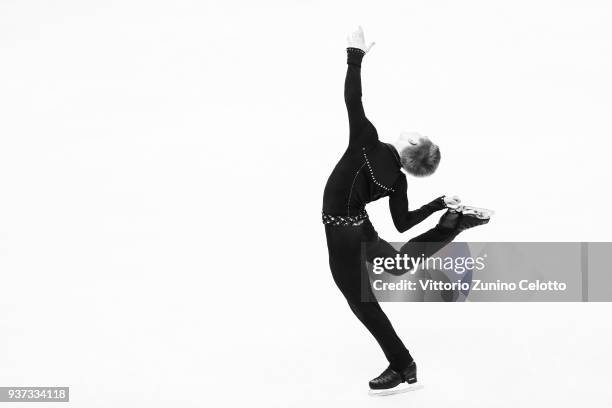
[(350, 275)]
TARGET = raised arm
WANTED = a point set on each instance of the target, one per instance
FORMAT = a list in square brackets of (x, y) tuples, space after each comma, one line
[(403, 219), (361, 130)]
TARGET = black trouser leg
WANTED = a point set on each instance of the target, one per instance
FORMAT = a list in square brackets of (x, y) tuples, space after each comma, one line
[(425, 244), (350, 275), (429, 242), (349, 272)]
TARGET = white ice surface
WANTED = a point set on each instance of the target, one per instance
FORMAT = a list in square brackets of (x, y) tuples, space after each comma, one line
[(134, 270)]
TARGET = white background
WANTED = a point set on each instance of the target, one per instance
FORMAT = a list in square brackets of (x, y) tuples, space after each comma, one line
[(162, 166)]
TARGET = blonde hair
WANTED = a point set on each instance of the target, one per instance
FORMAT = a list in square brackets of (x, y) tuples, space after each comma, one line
[(421, 160)]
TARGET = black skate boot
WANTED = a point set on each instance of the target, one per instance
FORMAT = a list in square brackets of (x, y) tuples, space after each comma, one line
[(450, 219), (468, 221), (386, 382)]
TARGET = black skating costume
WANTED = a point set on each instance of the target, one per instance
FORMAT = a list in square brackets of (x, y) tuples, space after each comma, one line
[(368, 170)]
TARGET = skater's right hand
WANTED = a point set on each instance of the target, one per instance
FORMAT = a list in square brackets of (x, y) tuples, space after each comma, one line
[(452, 202), (357, 40)]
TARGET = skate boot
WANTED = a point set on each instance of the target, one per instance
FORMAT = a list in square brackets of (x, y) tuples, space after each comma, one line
[(468, 221), (388, 381), (450, 219), (481, 213)]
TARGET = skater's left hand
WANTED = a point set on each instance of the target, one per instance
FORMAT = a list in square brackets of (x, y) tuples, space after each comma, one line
[(452, 202), (357, 40)]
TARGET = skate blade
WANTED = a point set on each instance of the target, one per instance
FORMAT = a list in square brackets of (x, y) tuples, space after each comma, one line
[(400, 389), (481, 213)]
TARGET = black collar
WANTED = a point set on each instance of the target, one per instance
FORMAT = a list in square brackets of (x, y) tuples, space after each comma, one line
[(395, 153)]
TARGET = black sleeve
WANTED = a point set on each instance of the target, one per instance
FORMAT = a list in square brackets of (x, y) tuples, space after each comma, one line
[(403, 219), (362, 132)]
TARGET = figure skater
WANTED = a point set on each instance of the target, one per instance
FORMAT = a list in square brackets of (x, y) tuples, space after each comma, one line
[(367, 171)]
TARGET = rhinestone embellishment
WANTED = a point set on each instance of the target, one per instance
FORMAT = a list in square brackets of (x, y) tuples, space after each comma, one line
[(345, 220), (365, 156)]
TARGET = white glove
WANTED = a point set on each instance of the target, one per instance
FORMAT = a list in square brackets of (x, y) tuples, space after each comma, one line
[(357, 40), (452, 202)]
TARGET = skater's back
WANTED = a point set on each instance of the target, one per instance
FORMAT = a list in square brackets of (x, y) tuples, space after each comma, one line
[(370, 169)]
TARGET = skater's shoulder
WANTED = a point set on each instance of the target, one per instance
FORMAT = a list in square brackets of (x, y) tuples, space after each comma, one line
[(387, 153), (379, 147)]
